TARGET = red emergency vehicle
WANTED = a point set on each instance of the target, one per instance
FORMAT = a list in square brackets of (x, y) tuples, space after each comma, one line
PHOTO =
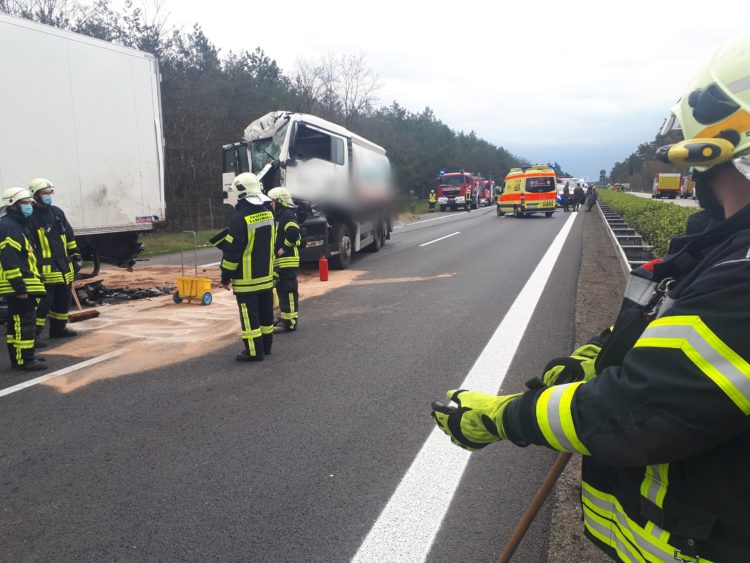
[(451, 189)]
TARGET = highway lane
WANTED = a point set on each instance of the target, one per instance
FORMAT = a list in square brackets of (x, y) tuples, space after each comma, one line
[(295, 458), (679, 201)]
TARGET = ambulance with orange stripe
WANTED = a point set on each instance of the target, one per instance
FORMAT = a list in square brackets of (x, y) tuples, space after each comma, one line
[(527, 190)]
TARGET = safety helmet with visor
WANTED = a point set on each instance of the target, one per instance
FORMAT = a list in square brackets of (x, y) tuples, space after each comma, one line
[(714, 113), (12, 196), (282, 196), (247, 186)]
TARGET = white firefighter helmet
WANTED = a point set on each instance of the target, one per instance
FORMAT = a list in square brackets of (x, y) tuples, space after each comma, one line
[(38, 184), (14, 195), (282, 196), (714, 112), (247, 186)]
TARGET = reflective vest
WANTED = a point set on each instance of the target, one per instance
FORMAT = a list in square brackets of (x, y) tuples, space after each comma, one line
[(248, 249), (664, 427), (18, 265), (55, 244), (432, 198), (288, 237)]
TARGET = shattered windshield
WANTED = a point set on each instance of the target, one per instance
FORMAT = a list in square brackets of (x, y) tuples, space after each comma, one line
[(266, 150)]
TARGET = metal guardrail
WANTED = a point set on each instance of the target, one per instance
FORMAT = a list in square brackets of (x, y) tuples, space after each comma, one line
[(628, 242)]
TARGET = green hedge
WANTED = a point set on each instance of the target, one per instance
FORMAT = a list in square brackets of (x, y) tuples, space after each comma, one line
[(655, 221)]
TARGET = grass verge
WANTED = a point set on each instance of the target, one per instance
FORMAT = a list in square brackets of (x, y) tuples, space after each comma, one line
[(158, 243)]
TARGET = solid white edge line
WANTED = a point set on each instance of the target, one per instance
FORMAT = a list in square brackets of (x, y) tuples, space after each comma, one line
[(441, 238), (58, 373), (409, 523)]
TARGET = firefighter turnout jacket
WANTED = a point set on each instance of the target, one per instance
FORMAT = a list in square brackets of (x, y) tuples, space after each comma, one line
[(55, 243), (664, 426), (18, 265), (248, 249), (288, 238)]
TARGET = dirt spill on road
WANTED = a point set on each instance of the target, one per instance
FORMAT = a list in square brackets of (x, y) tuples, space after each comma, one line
[(154, 333)]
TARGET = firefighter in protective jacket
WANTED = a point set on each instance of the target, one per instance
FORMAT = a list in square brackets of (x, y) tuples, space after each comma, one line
[(20, 282), (247, 265), (286, 253), (58, 259), (660, 406)]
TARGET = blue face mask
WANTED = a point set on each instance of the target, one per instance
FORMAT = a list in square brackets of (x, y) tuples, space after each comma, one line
[(27, 209), (47, 199)]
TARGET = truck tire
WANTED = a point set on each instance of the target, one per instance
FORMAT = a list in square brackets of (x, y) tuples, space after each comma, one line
[(548, 213), (500, 212), (517, 213), (342, 241), (378, 238)]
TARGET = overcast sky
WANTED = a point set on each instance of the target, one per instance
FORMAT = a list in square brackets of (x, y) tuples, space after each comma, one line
[(582, 83)]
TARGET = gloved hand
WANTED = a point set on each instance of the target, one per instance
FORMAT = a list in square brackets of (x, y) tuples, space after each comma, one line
[(476, 421), (77, 263), (579, 366)]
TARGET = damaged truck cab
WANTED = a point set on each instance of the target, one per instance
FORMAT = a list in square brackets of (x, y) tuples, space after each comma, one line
[(340, 181)]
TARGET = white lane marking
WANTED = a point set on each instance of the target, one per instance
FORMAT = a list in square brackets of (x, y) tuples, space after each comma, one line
[(428, 220), (58, 373), (407, 527), (441, 238), (211, 265)]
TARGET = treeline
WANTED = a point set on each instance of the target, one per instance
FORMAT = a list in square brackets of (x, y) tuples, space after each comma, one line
[(209, 98), (639, 168)]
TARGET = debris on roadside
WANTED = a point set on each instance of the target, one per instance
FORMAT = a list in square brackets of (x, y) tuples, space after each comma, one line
[(96, 293)]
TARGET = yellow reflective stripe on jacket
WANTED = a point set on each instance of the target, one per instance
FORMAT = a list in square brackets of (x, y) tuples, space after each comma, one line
[(606, 520), (14, 273), (44, 243), (10, 241), (689, 334), (654, 488), (71, 245), (555, 419), (227, 265)]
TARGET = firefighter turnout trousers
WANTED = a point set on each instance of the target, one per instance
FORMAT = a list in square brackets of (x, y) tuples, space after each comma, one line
[(55, 306), (288, 297), (256, 319), (21, 329)]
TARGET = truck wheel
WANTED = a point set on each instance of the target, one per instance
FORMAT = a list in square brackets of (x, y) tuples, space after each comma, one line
[(378, 238), (442, 208), (548, 213), (500, 212), (342, 241), (517, 212)]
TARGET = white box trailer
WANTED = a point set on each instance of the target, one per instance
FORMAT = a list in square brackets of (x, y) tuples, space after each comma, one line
[(340, 181), (86, 114)]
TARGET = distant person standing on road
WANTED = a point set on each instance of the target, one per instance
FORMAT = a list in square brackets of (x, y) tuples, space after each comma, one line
[(467, 199), (247, 266), (58, 259), (286, 258), (590, 197), (432, 199), (578, 197), (20, 282), (566, 196)]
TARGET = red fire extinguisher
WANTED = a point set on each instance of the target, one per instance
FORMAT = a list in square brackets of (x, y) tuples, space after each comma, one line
[(323, 268)]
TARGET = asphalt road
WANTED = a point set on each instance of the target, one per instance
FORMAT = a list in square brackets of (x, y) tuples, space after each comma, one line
[(295, 459), (677, 201)]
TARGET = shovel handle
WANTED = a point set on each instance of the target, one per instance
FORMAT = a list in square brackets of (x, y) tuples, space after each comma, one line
[(536, 503)]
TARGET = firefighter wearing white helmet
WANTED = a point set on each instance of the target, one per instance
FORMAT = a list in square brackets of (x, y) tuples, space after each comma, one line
[(59, 259), (288, 239), (247, 266), (20, 282), (659, 407)]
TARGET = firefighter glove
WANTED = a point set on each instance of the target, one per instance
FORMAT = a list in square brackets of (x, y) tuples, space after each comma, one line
[(475, 421)]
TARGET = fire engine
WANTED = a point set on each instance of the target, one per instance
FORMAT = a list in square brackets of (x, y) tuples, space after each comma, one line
[(451, 189)]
